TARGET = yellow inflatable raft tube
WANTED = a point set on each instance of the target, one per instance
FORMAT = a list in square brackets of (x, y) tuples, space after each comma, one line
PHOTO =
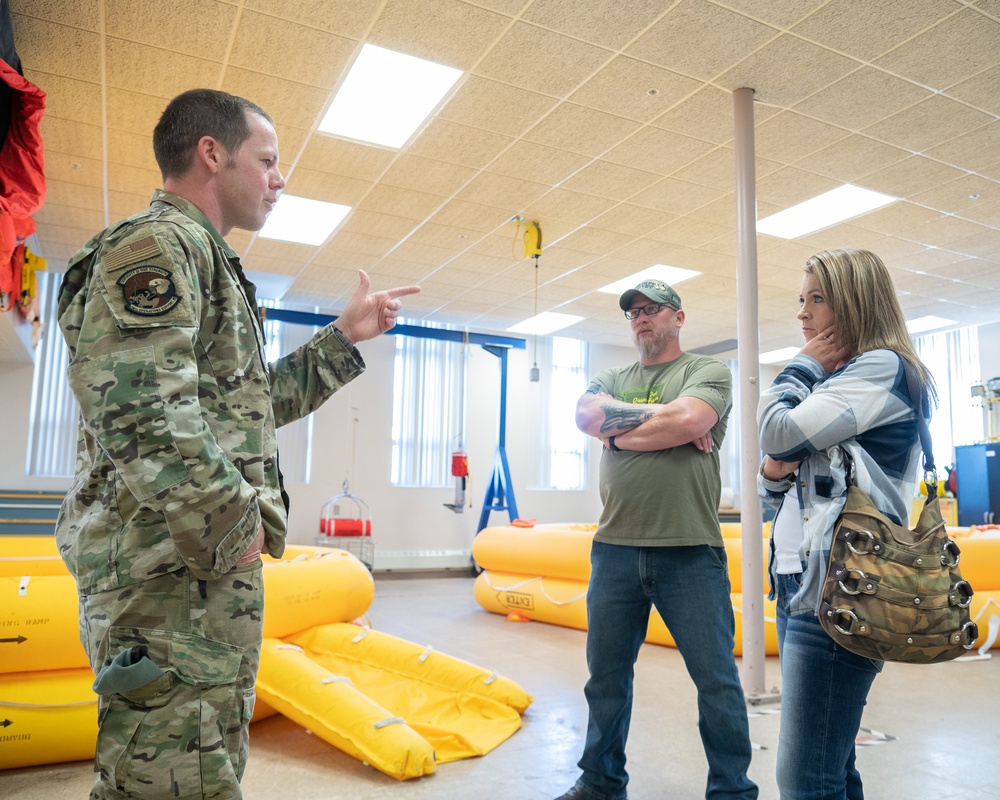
[(332, 708), (30, 554), (563, 551), (47, 716), (39, 624)]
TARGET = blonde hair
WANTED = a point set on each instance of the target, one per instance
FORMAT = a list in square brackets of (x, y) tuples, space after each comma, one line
[(859, 290)]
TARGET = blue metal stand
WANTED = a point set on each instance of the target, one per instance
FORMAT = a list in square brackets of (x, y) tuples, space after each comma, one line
[(500, 492)]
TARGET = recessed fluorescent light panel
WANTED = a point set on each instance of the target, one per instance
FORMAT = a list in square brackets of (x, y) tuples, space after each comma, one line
[(303, 221), (822, 211), (386, 96), (928, 323), (546, 322), (778, 356), (658, 272)]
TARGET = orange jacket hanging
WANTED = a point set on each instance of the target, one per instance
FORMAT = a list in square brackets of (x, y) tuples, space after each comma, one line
[(22, 178)]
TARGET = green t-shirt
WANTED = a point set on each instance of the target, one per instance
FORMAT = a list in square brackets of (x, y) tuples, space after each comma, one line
[(665, 497)]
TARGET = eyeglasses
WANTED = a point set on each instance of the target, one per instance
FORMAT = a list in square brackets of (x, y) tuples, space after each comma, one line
[(650, 311)]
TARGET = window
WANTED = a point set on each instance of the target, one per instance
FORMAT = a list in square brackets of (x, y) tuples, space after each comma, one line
[(953, 359), (564, 365), (295, 439), (427, 410), (54, 411)]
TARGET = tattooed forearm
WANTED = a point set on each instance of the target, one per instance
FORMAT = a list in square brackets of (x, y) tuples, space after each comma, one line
[(594, 388), (623, 418)]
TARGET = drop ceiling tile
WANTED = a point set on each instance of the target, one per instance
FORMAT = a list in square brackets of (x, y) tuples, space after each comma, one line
[(680, 41), (978, 150), (581, 130), (444, 31), (69, 217), (568, 206), (71, 138), (168, 25), (791, 185), (981, 91), (541, 61), (984, 244), (708, 115), (290, 102), (401, 202), (475, 216), (131, 149), (676, 197), (592, 240), (69, 99), (884, 95), (495, 106), (349, 18), (132, 112), (780, 13), (342, 157), (456, 239), (419, 253), (318, 58), (953, 50), (501, 191), (326, 187), (909, 177), (427, 175), (82, 171), (382, 225), (787, 70), (788, 137), (717, 169), (929, 123), (481, 263), (588, 19), (658, 150), (690, 232), (459, 144), (631, 220), (74, 194), (897, 219), (152, 71), (851, 158), (535, 162), (963, 197), (605, 179), (290, 252), (332, 257), (634, 89), (866, 30), (360, 243), (79, 53)]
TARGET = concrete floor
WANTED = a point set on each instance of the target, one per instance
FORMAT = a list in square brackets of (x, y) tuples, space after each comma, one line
[(942, 722)]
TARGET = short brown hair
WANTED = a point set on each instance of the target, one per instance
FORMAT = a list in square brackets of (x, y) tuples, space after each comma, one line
[(197, 113)]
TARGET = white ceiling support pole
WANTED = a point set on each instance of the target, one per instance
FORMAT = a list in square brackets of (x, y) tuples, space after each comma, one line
[(748, 394)]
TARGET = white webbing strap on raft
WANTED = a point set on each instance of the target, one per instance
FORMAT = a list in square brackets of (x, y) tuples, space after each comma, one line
[(289, 647), (424, 655), (541, 587), (337, 679), (360, 636), (390, 721), (493, 676), (22, 586)]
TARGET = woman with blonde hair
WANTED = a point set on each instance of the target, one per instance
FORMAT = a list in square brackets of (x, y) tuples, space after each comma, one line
[(844, 399)]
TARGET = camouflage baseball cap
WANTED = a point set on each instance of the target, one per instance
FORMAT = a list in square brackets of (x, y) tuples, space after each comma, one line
[(657, 291)]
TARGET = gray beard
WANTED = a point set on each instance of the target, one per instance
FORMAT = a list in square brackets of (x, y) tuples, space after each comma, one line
[(650, 347)]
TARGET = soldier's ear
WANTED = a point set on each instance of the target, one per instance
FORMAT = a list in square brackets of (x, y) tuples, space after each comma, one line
[(211, 153)]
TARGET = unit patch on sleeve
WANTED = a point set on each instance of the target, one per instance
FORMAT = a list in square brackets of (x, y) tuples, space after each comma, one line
[(148, 291)]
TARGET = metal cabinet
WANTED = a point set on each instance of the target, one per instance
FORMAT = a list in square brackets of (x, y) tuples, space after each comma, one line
[(978, 468)]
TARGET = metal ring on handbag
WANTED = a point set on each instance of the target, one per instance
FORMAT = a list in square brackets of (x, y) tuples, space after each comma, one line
[(950, 548), (961, 594), (855, 575), (850, 542), (969, 632), (845, 612)]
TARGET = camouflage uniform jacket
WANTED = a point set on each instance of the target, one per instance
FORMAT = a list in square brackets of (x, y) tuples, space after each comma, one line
[(176, 458), (862, 410)]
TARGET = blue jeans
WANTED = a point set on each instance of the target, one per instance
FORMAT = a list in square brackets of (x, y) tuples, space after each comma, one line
[(823, 693), (690, 588)]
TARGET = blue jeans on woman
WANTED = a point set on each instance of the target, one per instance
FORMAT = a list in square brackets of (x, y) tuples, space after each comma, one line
[(690, 588), (823, 693)]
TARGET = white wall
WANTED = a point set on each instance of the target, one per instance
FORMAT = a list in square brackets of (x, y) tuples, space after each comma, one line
[(411, 527), (989, 352)]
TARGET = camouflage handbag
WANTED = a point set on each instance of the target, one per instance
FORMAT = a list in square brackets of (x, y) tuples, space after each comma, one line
[(895, 594)]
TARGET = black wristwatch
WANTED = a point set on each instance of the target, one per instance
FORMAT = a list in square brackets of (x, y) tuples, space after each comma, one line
[(611, 445)]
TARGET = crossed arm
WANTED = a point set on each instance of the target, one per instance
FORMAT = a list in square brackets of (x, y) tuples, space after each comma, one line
[(646, 427)]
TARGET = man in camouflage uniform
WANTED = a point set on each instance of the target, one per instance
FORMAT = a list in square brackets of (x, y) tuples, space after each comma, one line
[(177, 488)]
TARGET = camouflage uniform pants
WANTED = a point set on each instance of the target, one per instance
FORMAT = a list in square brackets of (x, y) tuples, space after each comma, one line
[(185, 733)]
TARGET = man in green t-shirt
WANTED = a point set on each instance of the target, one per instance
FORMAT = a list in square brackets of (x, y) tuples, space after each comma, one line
[(661, 421)]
